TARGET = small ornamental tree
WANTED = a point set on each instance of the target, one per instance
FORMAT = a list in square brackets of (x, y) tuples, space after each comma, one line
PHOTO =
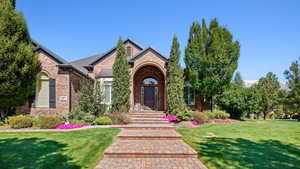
[(269, 88), (121, 81), (211, 58), (238, 79), (91, 104), (175, 81), (239, 101), (293, 77), (19, 64)]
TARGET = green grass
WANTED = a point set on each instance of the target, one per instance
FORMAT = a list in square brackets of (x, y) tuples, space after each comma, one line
[(247, 145), (55, 150)]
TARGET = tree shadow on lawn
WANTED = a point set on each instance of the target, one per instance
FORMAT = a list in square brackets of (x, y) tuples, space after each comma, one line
[(34, 153), (245, 154)]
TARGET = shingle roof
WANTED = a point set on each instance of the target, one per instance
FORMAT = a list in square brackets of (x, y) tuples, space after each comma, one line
[(62, 62), (38, 46)]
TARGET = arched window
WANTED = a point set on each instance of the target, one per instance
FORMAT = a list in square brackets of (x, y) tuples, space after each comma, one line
[(128, 51), (42, 90), (150, 81)]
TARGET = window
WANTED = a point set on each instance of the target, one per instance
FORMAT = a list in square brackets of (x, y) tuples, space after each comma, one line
[(189, 95), (149, 81), (107, 92), (42, 91), (128, 51)]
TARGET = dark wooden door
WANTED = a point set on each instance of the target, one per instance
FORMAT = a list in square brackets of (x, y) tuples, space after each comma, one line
[(149, 96)]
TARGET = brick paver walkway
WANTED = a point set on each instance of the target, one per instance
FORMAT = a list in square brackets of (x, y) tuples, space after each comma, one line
[(149, 142)]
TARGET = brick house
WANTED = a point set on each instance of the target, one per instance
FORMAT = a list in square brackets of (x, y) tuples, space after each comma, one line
[(59, 80)]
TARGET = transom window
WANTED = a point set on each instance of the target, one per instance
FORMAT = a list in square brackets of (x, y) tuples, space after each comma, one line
[(150, 81), (42, 90)]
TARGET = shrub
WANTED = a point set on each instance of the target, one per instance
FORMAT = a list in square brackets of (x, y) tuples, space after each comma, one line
[(216, 114), (200, 117), (186, 115), (103, 121), (119, 118), (49, 122), (20, 121), (76, 121)]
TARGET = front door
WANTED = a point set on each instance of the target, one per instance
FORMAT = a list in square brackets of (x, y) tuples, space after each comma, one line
[(149, 97)]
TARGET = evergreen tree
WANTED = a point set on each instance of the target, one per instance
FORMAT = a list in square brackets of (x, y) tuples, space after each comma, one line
[(293, 77), (175, 81), (121, 81), (269, 89), (211, 57), (238, 79), (19, 64)]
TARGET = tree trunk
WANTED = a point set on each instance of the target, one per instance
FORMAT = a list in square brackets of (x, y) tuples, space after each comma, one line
[(265, 116), (200, 103), (211, 104)]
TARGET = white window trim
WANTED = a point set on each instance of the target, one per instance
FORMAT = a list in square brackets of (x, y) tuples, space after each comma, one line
[(108, 83), (190, 102)]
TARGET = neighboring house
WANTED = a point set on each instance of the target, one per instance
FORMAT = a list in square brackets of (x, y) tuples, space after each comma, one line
[(59, 80)]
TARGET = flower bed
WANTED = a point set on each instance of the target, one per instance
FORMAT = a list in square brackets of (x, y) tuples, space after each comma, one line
[(70, 126), (171, 119)]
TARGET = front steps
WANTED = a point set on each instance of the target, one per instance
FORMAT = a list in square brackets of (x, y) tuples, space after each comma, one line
[(149, 135), (124, 148), (149, 142)]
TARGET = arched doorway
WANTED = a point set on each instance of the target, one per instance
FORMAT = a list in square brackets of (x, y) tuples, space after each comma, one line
[(149, 88)]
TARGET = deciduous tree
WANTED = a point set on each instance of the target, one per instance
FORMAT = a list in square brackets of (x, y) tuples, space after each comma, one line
[(239, 101), (293, 77), (269, 88), (211, 57)]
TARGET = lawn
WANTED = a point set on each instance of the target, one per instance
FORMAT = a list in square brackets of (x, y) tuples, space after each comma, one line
[(55, 150), (247, 145)]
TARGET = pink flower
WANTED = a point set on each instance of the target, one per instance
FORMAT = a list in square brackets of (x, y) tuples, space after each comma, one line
[(171, 118), (70, 126), (194, 123)]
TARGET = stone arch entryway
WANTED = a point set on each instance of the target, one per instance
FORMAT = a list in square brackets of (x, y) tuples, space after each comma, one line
[(149, 88)]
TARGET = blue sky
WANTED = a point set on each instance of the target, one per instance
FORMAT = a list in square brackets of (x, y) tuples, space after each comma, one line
[(268, 30)]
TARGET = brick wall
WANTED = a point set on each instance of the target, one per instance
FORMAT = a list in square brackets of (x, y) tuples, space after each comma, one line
[(49, 66)]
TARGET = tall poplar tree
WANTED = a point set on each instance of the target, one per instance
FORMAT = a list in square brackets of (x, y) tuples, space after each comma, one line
[(211, 57), (293, 77), (175, 81), (19, 63), (121, 81)]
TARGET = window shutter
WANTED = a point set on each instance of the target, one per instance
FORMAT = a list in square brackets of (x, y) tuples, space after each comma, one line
[(31, 101), (52, 95)]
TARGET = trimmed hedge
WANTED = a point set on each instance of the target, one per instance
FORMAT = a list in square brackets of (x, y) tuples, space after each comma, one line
[(216, 114), (20, 121), (49, 122), (103, 121)]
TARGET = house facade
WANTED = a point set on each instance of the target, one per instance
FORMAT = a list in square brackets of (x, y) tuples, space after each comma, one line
[(58, 83)]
